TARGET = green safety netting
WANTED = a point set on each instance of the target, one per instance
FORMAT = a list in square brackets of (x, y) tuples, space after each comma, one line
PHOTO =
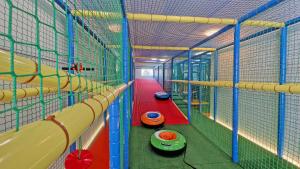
[(38, 32)]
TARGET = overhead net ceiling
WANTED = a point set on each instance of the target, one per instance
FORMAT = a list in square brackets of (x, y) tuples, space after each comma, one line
[(187, 35)]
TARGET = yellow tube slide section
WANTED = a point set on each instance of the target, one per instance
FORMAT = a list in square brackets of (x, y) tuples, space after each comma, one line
[(26, 71), (38, 144), (176, 19)]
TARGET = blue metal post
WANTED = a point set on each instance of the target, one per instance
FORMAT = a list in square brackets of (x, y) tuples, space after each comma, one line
[(126, 96), (189, 85), (201, 71), (158, 73), (235, 107), (114, 134), (172, 77), (71, 98), (216, 64), (105, 78), (131, 87), (282, 80), (163, 81)]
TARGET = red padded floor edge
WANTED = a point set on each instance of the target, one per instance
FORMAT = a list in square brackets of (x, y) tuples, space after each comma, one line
[(100, 150), (144, 101)]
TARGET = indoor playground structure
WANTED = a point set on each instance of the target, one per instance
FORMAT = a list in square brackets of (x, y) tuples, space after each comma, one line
[(150, 84)]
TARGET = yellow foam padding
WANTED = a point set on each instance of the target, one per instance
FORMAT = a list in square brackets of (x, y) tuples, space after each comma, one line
[(97, 14), (78, 117), (35, 146), (261, 23), (7, 95), (104, 102), (175, 19), (283, 88), (23, 65), (180, 81), (219, 84), (179, 19), (228, 84), (20, 93), (144, 47), (210, 83), (200, 20), (249, 85), (240, 85), (270, 87), (38, 144), (2, 95), (294, 88), (257, 86)]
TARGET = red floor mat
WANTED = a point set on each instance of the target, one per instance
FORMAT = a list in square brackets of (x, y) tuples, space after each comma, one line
[(144, 101), (100, 150)]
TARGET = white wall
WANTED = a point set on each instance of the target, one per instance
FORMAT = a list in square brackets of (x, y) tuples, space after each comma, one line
[(139, 73)]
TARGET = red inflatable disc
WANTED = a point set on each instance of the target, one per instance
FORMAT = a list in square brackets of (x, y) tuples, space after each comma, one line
[(72, 161)]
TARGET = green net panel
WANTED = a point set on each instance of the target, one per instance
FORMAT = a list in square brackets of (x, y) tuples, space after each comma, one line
[(167, 76), (179, 90), (32, 30)]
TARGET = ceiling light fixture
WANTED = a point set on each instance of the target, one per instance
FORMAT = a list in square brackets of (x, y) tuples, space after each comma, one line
[(114, 28), (198, 53), (210, 32)]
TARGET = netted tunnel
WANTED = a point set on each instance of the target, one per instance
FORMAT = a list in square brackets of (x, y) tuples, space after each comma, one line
[(149, 84)]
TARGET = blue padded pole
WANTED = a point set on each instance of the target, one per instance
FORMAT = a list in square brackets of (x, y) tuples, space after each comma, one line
[(235, 92), (163, 85), (158, 73), (126, 96), (114, 134), (189, 84), (132, 75), (282, 80), (71, 97), (216, 64), (131, 87), (105, 78), (201, 71), (172, 76)]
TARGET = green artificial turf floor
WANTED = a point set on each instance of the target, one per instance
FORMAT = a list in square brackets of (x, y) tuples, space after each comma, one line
[(200, 152)]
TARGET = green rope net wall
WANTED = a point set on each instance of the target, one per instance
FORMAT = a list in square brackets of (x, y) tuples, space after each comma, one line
[(179, 90), (38, 31), (26, 28)]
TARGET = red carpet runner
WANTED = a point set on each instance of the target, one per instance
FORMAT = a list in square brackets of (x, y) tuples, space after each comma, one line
[(144, 101), (100, 150)]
